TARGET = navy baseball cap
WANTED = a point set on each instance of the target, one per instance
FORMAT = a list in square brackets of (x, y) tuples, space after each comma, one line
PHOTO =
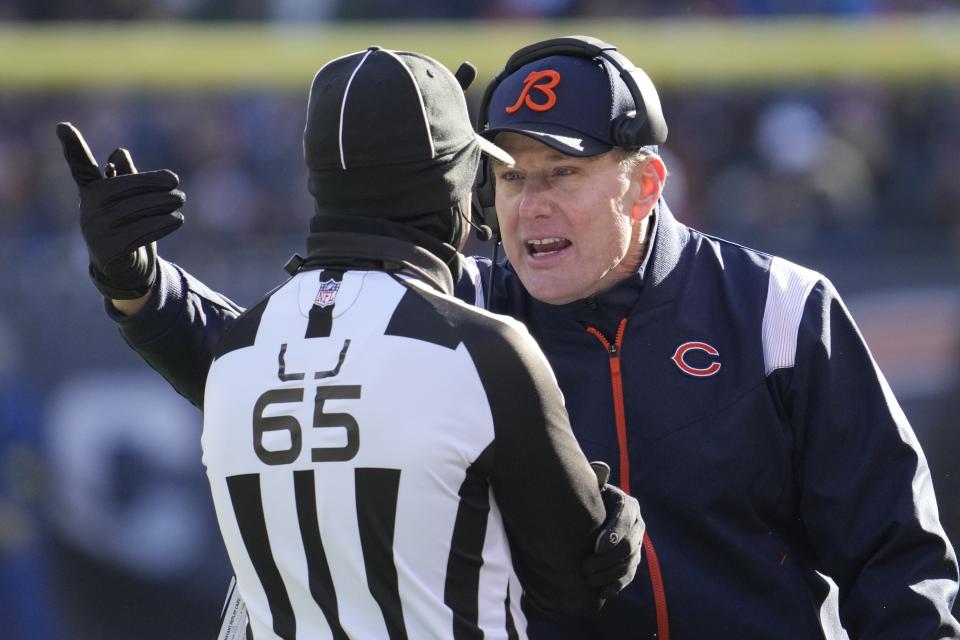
[(566, 102)]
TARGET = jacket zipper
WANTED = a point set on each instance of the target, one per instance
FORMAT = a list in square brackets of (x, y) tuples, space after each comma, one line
[(621, 419), (653, 563)]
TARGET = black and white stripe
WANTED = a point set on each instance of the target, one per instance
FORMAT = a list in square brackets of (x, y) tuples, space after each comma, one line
[(355, 472), (321, 317), (318, 568)]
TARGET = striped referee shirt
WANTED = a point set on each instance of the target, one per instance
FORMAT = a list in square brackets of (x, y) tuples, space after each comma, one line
[(387, 462)]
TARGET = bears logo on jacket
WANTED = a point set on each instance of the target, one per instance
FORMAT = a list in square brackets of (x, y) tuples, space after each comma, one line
[(705, 372)]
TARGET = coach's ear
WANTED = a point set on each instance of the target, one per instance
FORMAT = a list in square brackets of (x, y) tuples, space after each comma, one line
[(648, 177)]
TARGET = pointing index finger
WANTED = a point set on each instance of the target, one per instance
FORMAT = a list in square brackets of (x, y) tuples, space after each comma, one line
[(83, 165)]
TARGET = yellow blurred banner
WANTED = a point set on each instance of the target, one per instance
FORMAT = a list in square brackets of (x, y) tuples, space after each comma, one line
[(685, 53)]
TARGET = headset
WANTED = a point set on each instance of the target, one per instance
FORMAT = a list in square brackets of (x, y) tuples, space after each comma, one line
[(640, 128)]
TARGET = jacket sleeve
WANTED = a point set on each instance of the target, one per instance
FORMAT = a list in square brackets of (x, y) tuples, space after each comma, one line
[(546, 491), (178, 329), (867, 501)]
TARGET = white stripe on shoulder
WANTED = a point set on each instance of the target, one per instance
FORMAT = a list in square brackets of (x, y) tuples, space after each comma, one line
[(787, 292), (423, 110), (343, 107), (469, 265)]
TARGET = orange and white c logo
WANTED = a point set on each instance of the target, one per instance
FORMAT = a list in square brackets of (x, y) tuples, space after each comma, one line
[(552, 79), (696, 371)]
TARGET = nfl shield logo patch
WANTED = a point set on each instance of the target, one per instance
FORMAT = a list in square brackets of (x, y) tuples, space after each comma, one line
[(328, 293)]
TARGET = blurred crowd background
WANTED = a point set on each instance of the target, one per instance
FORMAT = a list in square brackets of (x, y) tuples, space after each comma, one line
[(106, 527), (443, 9)]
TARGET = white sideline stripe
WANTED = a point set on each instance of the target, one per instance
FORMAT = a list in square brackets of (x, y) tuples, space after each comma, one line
[(343, 107), (470, 266), (423, 110), (787, 292)]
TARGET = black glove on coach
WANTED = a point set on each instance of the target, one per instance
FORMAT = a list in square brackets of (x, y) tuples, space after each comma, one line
[(122, 214), (619, 543)]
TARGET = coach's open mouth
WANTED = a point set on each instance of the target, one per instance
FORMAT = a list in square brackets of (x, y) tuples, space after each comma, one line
[(546, 246)]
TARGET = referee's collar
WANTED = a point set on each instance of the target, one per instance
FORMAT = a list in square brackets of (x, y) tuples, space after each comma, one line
[(351, 250)]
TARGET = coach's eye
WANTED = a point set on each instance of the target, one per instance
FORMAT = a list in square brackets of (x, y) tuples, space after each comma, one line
[(509, 176)]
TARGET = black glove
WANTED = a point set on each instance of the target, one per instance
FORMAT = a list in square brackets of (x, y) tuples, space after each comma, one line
[(122, 214), (617, 551)]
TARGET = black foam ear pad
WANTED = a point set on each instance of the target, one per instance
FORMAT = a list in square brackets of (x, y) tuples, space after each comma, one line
[(485, 196), (647, 125)]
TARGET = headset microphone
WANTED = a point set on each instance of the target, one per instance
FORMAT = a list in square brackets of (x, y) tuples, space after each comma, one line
[(483, 232)]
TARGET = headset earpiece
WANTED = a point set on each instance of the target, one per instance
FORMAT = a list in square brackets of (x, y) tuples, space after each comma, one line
[(485, 197), (628, 130)]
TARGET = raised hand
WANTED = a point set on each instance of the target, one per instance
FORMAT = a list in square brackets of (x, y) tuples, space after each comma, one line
[(122, 215)]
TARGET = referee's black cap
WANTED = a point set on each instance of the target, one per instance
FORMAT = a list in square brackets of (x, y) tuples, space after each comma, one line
[(388, 136)]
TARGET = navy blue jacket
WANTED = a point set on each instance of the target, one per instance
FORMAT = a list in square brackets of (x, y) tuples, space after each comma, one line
[(760, 438)]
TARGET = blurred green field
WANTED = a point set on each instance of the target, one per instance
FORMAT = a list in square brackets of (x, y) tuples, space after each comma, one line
[(139, 56)]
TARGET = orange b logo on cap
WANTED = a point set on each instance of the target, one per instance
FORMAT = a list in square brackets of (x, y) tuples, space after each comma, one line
[(542, 81)]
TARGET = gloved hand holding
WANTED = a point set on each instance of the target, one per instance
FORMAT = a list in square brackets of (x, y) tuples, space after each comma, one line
[(122, 215), (618, 547)]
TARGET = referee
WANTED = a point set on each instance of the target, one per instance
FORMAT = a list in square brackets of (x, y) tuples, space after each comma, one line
[(386, 461)]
